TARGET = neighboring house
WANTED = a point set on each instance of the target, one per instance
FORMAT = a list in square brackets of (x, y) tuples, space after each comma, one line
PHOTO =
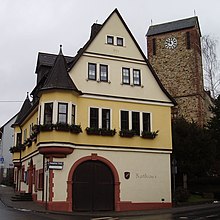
[(6, 142), (97, 134), (174, 51)]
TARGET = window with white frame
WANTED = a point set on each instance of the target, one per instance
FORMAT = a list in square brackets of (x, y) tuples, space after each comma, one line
[(125, 75), (73, 115), (62, 113), (120, 41), (100, 118), (48, 113), (103, 73), (110, 39), (136, 121), (136, 77), (92, 71)]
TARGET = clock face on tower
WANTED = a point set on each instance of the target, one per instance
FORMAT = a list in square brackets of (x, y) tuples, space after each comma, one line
[(171, 43)]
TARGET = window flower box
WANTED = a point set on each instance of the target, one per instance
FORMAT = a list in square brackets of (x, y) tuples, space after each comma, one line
[(36, 129), (106, 132), (62, 127), (46, 127), (149, 134), (76, 129), (127, 133), (93, 131), (18, 148)]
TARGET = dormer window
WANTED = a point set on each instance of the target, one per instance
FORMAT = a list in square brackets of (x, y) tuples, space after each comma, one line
[(120, 41), (110, 40)]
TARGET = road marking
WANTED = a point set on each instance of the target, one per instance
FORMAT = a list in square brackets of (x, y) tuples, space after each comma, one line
[(184, 217), (104, 218), (211, 216)]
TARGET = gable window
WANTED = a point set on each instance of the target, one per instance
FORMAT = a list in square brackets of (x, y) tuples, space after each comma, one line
[(136, 122), (110, 40), (73, 115), (94, 118), (92, 71), (125, 75), (146, 122), (62, 113), (188, 43), (106, 119), (103, 73), (124, 120), (136, 77), (48, 113), (154, 46), (120, 41)]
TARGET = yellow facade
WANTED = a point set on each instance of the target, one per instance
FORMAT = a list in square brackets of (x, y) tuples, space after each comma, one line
[(140, 155)]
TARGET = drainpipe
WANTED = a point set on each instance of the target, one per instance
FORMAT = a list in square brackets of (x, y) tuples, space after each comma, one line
[(19, 188)]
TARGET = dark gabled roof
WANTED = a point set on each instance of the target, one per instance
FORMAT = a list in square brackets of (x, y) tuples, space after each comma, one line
[(58, 77), (24, 110), (46, 59), (173, 26)]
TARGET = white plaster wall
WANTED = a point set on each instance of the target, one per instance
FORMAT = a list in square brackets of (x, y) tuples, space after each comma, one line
[(150, 179)]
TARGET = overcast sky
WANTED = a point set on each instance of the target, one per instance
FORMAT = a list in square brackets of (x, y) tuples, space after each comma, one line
[(31, 26)]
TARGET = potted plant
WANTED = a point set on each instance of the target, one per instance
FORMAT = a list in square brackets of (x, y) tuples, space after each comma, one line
[(93, 131), (46, 127), (149, 134), (127, 133), (107, 132), (36, 129), (75, 129), (62, 127)]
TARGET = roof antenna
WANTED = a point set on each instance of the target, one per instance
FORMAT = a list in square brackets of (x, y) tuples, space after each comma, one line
[(194, 12)]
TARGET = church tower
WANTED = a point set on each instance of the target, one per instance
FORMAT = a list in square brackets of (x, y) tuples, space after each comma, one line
[(174, 51)]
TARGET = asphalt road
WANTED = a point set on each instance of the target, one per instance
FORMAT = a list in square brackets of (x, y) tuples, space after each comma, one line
[(210, 213)]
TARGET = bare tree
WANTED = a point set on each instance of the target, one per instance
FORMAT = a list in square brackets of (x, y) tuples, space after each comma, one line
[(210, 65)]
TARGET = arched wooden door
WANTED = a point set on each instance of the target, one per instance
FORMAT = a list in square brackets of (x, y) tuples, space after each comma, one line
[(93, 187)]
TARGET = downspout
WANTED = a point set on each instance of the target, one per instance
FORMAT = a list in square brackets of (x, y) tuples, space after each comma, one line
[(19, 188)]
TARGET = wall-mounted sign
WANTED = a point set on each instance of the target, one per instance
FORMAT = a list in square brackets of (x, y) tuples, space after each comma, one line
[(127, 175), (55, 165)]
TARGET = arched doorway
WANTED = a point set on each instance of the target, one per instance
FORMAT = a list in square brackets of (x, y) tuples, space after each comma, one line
[(93, 187)]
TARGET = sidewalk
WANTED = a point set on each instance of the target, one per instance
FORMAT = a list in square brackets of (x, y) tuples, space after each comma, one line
[(7, 192)]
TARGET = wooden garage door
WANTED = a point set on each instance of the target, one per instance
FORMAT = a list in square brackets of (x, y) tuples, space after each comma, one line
[(93, 187)]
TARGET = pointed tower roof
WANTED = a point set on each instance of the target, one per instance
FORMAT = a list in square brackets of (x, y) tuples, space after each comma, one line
[(58, 77), (24, 110)]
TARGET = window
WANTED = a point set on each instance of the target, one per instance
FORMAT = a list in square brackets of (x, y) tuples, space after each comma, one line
[(188, 43), (110, 40), (124, 120), (146, 122), (25, 134), (136, 77), (154, 46), (48, 113), (73, 117), (94, 118), (92, 71), (19, 137), (120, 41), (106, 119), (62, 113), (136, 122), (40, 179), (103, 73), (125, 75)]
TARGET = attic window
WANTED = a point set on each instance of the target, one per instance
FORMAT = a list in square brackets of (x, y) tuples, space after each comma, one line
[(120, 41), (110, 40)]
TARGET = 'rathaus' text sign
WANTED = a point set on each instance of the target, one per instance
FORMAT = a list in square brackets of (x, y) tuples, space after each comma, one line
[(55, 165)]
